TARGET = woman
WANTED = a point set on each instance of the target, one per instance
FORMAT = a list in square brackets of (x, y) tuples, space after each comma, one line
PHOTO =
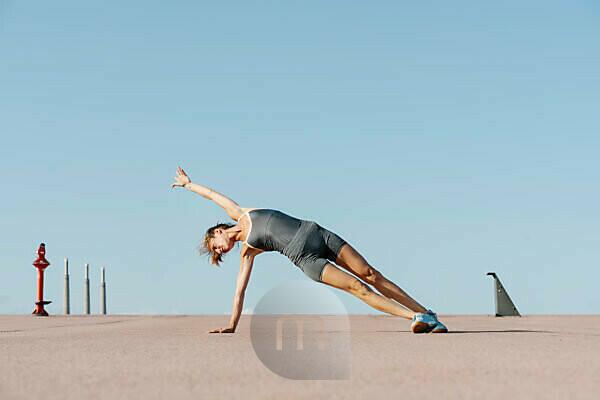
[(310, 247)]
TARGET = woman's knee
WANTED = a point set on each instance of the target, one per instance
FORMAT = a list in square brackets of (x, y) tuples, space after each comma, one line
[(372, 276), (359, 289)]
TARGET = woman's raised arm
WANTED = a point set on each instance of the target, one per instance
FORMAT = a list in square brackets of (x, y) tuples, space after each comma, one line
[(232, 208)]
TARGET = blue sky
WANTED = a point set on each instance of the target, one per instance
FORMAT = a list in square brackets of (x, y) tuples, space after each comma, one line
[(442, 140)]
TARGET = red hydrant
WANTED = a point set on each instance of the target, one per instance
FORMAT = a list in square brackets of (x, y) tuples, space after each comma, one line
[(41, 264)]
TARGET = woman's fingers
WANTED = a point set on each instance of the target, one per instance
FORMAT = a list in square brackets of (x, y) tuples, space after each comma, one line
[(221, 330), (181, 178), (181, 172)]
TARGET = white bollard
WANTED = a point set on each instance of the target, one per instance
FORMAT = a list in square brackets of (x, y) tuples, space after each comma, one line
[(103, 292), (66, 292), (86, 290)]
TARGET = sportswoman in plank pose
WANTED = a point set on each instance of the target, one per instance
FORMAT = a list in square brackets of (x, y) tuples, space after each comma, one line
[(310, 247)]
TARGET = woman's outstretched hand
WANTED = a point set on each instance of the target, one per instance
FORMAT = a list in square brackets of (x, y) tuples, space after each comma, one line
[(181, 179), (222, 330)]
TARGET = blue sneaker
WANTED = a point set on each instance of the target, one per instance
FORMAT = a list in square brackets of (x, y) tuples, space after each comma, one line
[(427, 322), (439, 328), (424, 322)]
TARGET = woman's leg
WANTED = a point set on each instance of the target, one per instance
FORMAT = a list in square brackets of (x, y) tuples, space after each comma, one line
[(351, 260), (333, 276)]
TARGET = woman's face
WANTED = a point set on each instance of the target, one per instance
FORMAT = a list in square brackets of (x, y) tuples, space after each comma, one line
[(221, 243)]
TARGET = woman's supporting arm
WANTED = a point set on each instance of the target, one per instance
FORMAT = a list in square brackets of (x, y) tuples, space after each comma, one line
[(240, 291), (238, 301), (232, 208)]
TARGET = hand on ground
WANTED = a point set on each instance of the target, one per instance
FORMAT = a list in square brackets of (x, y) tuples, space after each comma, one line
[(222, 330)]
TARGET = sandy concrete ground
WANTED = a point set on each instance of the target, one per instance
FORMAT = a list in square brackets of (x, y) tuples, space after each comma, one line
[(171, 357)]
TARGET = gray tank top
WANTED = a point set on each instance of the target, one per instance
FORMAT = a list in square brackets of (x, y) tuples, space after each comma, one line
[(271, 230)]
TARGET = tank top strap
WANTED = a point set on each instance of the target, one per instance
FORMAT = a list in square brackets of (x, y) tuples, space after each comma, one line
[(245, 241)]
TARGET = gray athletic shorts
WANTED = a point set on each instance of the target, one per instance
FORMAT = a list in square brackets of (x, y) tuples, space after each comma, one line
[(312, 247)]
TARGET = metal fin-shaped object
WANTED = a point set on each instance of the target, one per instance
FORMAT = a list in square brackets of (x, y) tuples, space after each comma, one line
[(504, 305)]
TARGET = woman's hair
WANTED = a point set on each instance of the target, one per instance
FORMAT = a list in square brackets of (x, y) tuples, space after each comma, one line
[(205, 248)]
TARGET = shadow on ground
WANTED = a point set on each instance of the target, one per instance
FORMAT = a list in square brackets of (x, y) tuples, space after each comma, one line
[(481, 331)]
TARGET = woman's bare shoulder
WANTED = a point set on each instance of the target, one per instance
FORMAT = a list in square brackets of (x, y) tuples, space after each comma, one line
[(242, 211)]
